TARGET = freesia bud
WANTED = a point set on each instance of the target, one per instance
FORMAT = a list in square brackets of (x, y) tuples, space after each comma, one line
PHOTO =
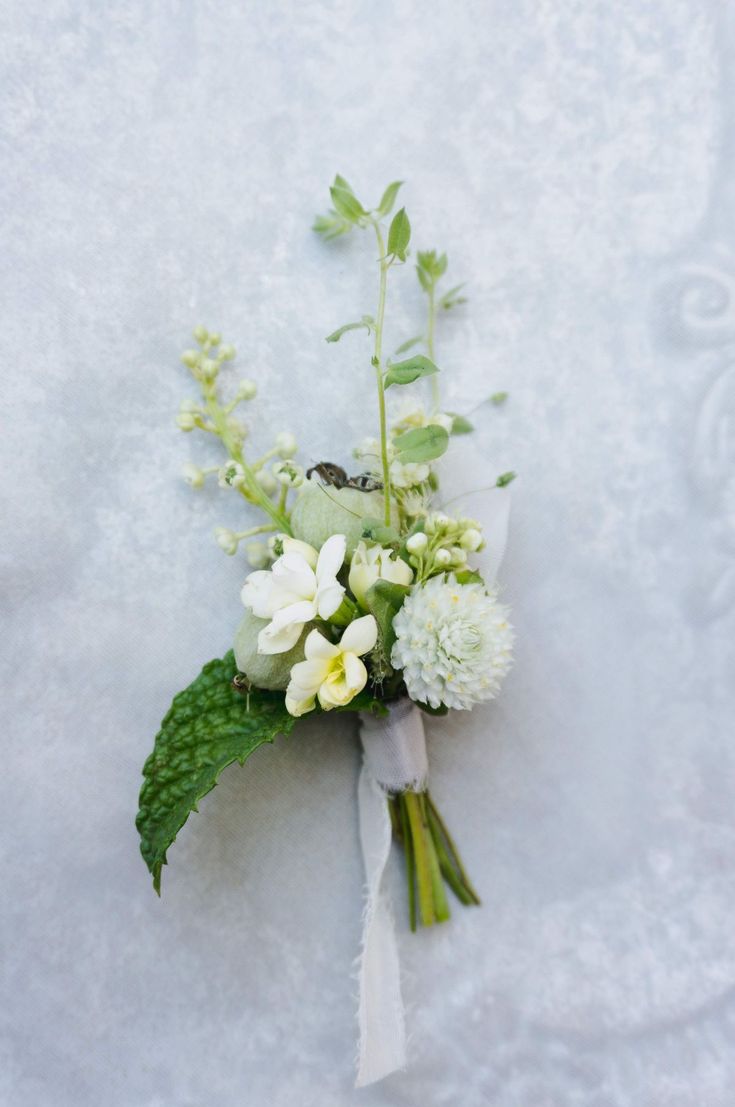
[(372, 563), (286, 444), (193, 475), (417, 543)]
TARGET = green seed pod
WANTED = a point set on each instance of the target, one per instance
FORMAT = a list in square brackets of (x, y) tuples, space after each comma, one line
[(270, 671), (321, 511)]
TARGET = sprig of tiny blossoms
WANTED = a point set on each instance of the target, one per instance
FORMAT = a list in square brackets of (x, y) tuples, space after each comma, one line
[(263, 485)]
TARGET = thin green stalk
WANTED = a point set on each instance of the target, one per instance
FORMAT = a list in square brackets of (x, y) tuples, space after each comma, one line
[(255, 492), (452, 849), (410, 864), (412, 801), (448, 870), (441, 907), (435, 398), (377, 354)]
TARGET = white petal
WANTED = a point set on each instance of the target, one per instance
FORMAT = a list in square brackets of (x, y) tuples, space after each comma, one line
[(279, 641), (308, 675), (256, 591), (331, 558), (328, 599), (297, 707), (360, 636), (317, 647), (295, 545), (355, 672), (300, 613), (294, 575)]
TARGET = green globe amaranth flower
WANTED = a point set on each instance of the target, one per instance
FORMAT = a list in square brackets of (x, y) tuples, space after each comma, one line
[(269, 671), (321, 511)]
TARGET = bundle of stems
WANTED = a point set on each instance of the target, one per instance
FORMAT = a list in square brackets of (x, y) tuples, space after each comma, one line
[(431, 859)]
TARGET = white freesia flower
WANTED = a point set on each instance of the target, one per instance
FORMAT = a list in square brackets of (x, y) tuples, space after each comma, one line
[(453, 642), (371, 563), (332, 674), (294, 592)]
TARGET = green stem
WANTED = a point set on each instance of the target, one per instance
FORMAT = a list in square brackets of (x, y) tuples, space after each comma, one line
[(441, 907), (410, 864), (448, 870), (377, 354), (420, 843), (456, 859), (435, 398)]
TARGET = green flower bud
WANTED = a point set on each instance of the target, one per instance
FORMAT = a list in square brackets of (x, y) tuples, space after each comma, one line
[(320, 512), (190, 358), (201, 334), (269, 671)]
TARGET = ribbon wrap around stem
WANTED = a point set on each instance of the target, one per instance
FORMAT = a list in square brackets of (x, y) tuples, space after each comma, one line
[(394, 748)]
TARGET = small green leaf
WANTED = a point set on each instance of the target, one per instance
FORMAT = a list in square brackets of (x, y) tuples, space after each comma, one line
[(468, 576), (377, 531), (345, 201), (367, 322), (331, 225), (399, 235), (439, 711), (408, 371), (422, 444), (384, 600), (460, 424), (430, 267), (498, 398), (388, 198), (208, 726), (409, 344), (451, 299), (505, 479)]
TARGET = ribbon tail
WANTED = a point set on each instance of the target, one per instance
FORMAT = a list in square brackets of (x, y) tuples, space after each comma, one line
[(382, 1047)]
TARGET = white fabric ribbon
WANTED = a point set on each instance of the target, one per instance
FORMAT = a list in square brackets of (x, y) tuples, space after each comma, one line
[(394, 760)]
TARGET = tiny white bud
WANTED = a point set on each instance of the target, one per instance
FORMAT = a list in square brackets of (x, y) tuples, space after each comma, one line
[(185, 421), (215, 338), (208, 368), (266, 480), (442, 557), (417, 543), (289, 474), (440, 519), (190, 358), (459, 556), (226, 539), (191, 406), (257, 554), (228, 352), (246, 390), (201, 334), (193, 475), (471, 540), (286, 444)]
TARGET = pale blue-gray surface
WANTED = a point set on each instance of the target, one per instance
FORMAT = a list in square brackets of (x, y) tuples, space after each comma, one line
[(160, 166)]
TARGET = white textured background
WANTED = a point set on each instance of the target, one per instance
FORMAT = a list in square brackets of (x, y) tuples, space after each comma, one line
[(161, 164)]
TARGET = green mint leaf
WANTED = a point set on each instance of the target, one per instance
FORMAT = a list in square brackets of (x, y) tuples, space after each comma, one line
[(388, 198), (409, 344), (384, 600), (498, 398), (331, 225), (422, 444), (505, 479), (460, 424), (377, 531), (408, 371), (208, 726), (399, 235), (451, 299), (367, 322), (345, 201)]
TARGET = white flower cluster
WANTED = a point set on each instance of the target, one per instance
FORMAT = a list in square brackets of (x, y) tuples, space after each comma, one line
[(453, 642)]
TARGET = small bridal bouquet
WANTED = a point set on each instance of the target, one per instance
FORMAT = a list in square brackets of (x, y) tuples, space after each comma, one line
[(371, 593)]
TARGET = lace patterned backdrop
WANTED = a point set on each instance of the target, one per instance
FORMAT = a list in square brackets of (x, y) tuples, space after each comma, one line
[(161, 166)]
